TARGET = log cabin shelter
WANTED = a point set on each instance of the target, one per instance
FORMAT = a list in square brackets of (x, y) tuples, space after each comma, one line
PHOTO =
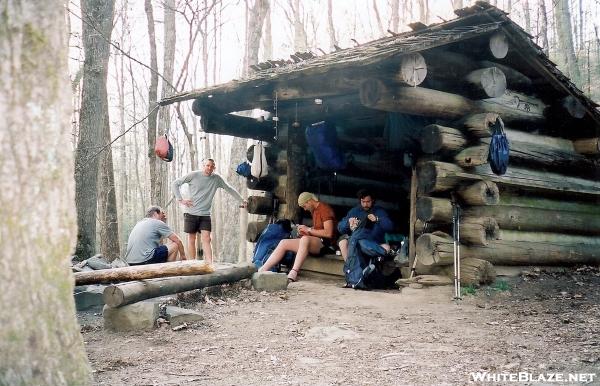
[(413, 114)]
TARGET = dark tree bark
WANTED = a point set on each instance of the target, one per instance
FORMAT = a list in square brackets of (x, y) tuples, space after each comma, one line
[(93, 119), (156, 179), (40, 343)]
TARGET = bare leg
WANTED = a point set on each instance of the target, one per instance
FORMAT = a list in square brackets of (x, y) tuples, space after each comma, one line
[(206, 249), (279, 252), (173, 250), (343, 244), (192, 250), (308, 244)]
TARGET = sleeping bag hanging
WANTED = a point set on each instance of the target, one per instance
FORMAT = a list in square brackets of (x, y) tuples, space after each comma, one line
[(499, 149), (259, 166), (322, 141)]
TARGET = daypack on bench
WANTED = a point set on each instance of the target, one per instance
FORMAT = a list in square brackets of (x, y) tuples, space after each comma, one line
[(268, 240)]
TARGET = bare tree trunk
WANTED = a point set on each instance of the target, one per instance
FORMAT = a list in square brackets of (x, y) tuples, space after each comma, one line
[(297, 20), (562, 16), (156, 179), (268, 37), (395, 19), (330, 27), (164, 116), (423, 11), (107, 202), (254, 31), (543, 27), (527, 16), (97, 15), (40, 343), (457, 4), (378, 19)]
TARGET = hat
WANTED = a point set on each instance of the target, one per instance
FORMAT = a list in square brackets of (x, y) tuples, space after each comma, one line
[(305, 196)]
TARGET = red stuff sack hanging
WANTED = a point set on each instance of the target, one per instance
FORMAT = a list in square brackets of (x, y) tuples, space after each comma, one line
[(163, 148)]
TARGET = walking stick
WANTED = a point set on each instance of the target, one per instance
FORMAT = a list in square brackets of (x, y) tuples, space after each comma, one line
[(456, 246)]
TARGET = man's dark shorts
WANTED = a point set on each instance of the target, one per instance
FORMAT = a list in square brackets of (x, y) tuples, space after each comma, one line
[(161, 254), (194, 224)]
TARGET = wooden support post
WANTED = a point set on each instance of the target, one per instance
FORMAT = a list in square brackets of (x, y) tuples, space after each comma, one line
[(295, 172), (413, 217)]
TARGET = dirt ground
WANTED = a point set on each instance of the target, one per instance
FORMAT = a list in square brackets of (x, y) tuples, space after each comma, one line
[(317, 333)]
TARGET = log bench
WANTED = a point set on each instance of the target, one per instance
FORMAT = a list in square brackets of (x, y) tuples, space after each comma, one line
[(331, 264)]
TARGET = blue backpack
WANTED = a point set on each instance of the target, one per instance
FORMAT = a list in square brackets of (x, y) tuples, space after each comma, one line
[(499, 149), (322, 141), (243, 169), (268, 240)]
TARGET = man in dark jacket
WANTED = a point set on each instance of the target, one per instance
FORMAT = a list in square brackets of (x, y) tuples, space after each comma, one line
[(374, 219)]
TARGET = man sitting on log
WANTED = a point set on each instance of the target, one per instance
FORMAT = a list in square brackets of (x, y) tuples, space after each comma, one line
[(144, 243), (374, 218), (315, 240)]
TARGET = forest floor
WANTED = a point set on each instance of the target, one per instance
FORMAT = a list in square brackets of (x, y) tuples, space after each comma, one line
[(317, 333)]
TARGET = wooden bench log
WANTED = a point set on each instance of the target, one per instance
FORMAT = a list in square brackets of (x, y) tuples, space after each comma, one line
[(123, 294), (141, 272)]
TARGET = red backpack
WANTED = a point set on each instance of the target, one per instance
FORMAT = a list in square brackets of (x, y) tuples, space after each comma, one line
[(163, 148)]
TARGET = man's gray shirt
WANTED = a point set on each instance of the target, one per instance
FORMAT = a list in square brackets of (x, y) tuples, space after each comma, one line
[(202, 191), (144, 239)]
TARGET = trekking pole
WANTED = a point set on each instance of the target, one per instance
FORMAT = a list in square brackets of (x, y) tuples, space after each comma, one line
[(456, 246)]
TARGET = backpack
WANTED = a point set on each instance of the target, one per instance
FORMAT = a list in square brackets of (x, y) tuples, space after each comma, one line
[(268, 240), (243, 169), (499, 149), (364, 267), (163, 148), (322, 141)]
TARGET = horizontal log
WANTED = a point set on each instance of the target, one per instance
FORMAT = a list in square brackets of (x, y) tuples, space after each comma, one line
[(423, 101), (479, 193), (353, 201), (435, 176), (437, 138), (474, 272), (491, 230), (479, 124), (413, 69), (123, 294), (588, 146), (473, 156), (488, 82), (436, 250), (498, 45), (541, 220), (515, 80), (260, 205), (431, 209), (548, 237), (141, 272), (512, 199), (264, 183)]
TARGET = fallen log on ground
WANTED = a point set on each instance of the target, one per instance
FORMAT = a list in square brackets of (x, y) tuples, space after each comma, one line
[(127, 293), (141, 272)]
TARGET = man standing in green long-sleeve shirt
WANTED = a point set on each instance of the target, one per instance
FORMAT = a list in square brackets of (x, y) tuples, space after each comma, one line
[(203, 186)]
